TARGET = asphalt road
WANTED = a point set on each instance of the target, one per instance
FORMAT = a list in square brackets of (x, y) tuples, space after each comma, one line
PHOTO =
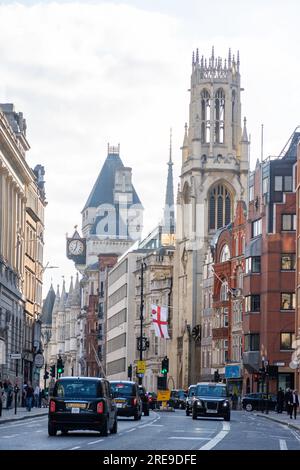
[(159, 431)]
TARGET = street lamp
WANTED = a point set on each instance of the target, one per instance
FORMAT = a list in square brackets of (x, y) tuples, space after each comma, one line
[(48, 267), (141, 342)]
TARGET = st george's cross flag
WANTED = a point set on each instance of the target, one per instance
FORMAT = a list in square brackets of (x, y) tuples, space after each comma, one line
[(160, 321)]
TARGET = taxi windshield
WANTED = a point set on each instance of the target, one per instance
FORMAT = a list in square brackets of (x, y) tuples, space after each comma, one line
[(122, 389), (211, 391)]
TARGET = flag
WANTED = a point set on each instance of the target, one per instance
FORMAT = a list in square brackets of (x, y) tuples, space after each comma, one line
[(159, 319)]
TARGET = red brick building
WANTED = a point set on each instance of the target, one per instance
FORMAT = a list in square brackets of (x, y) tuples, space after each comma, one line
[(269, 280), (296, 357)]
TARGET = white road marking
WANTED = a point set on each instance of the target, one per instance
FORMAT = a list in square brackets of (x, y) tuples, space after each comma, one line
[(218, 438), (295, 435), (130, 430), (40, 430), (282, 444), (8, 437), (190, 438), (156, 425), (94, 442), (74, 448)]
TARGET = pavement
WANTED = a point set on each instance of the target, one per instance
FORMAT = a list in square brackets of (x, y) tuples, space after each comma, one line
[(22, 413), (282, 418)]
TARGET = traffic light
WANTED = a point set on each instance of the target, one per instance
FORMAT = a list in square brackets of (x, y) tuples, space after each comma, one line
[(129, 375), (216, 376), (165, 366), (46, 375), (60, 366), (52, 370)]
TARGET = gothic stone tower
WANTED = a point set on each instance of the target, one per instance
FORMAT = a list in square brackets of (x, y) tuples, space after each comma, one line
[(213, 178)]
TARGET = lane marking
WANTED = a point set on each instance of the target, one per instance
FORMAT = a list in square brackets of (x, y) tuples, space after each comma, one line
[(218, 438), (157, 426), (190, 438), (8, 437), (94, 442), (130, 430), (74, 448), (282, 444), (295, 435), (40, 430)]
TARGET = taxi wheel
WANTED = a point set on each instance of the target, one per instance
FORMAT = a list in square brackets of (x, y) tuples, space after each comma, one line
[(104, 427), (187, 411), (52, 429), (194, 414), (249, 407), (114, 429)]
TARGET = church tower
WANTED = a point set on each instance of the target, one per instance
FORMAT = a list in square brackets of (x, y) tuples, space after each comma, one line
[(213, 178)]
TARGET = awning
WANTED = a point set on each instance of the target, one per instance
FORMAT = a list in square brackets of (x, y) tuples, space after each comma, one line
[(253, 248)]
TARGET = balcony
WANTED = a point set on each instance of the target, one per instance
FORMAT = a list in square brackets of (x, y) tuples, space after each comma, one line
[(251, 360)]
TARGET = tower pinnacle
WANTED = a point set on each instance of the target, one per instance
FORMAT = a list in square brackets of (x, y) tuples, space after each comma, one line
[(169, 213)]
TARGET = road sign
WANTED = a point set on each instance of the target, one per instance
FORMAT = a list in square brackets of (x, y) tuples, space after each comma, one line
[(15, 356), (39, 360), (141, 367), (163, 395)]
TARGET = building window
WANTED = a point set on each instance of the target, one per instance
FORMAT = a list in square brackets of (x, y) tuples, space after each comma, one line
[(265, 185), (220, 207), (219, 116), (253, 264), (256, 228), (251, 193), (288, 262), (286, 341), (288, 222), (252, 342), (224, 291), (278, 183), (225, 254), (205, 117), (288, 301), (252, 303), (288, 183)]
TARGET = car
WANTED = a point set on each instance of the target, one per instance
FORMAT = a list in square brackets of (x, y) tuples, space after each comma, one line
[(211, 399), (127, 398), (258, 401), (145, 400), (152, 397), (82, 403), (177, 399), (190, 399)]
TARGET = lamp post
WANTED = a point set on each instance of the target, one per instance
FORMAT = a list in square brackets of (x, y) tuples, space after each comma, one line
[(143, 266)]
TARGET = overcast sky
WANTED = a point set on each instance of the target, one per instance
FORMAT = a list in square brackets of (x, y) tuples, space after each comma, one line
[(86, 73)]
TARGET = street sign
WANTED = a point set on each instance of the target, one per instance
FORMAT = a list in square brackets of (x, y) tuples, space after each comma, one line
[(15, 356), (39, 360), (141, 367), (163, 395)]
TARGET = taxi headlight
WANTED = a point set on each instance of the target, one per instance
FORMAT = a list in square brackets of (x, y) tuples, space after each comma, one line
[(225, 403)]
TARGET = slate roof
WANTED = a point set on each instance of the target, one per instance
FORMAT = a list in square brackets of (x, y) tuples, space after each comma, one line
[(48, 304), (102, 192)]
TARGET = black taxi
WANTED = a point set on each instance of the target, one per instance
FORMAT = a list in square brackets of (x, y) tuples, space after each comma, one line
[(82, 403)]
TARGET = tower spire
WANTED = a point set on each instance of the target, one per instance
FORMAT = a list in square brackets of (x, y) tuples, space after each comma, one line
[(169, 213)]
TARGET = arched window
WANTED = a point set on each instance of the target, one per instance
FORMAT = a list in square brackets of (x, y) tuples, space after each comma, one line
[(225, 254), (219, 116), (205, 117), (220, 207), (224, 291)]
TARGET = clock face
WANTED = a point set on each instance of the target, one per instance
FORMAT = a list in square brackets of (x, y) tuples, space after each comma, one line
[(76, 247)]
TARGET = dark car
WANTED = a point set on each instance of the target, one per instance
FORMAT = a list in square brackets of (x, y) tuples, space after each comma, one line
[(190, 399), (211, 399), (145, 400), (82, 403), (127, 398), (177, 399), (152, 397), (258, 401)]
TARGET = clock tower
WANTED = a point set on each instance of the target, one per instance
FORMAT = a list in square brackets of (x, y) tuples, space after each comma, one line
[(76, 248)]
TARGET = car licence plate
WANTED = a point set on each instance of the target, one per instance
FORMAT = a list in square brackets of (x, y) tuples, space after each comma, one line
[(211, 411), (75, 410), (120, 405)]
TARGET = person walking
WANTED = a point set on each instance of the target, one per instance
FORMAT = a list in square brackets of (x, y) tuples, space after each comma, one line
[(287, 399), (29, 396), (1, 393), (280, 400), (294, 404)]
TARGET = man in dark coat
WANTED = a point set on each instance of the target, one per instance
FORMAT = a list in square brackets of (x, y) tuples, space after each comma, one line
[(294, 404)]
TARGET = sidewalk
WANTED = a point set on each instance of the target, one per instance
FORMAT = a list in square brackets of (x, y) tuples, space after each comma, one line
[(22, 413), (282, 418)]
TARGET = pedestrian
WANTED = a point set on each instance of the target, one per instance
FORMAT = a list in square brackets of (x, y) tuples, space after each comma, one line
[(234, 399), (29, 396), (9, 395), (294, 404), (36, 394), (1, 393), (280, 400), (287, 399)]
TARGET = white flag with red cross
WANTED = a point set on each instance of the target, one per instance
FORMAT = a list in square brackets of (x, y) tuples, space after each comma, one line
[(160, 321)]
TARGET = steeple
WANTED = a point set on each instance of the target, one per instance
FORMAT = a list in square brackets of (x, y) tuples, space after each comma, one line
[(169, 214), (245, 135), (71, 289), (62, 297)]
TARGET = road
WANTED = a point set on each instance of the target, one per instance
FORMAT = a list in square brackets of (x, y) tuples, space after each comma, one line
[(159, 431)]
